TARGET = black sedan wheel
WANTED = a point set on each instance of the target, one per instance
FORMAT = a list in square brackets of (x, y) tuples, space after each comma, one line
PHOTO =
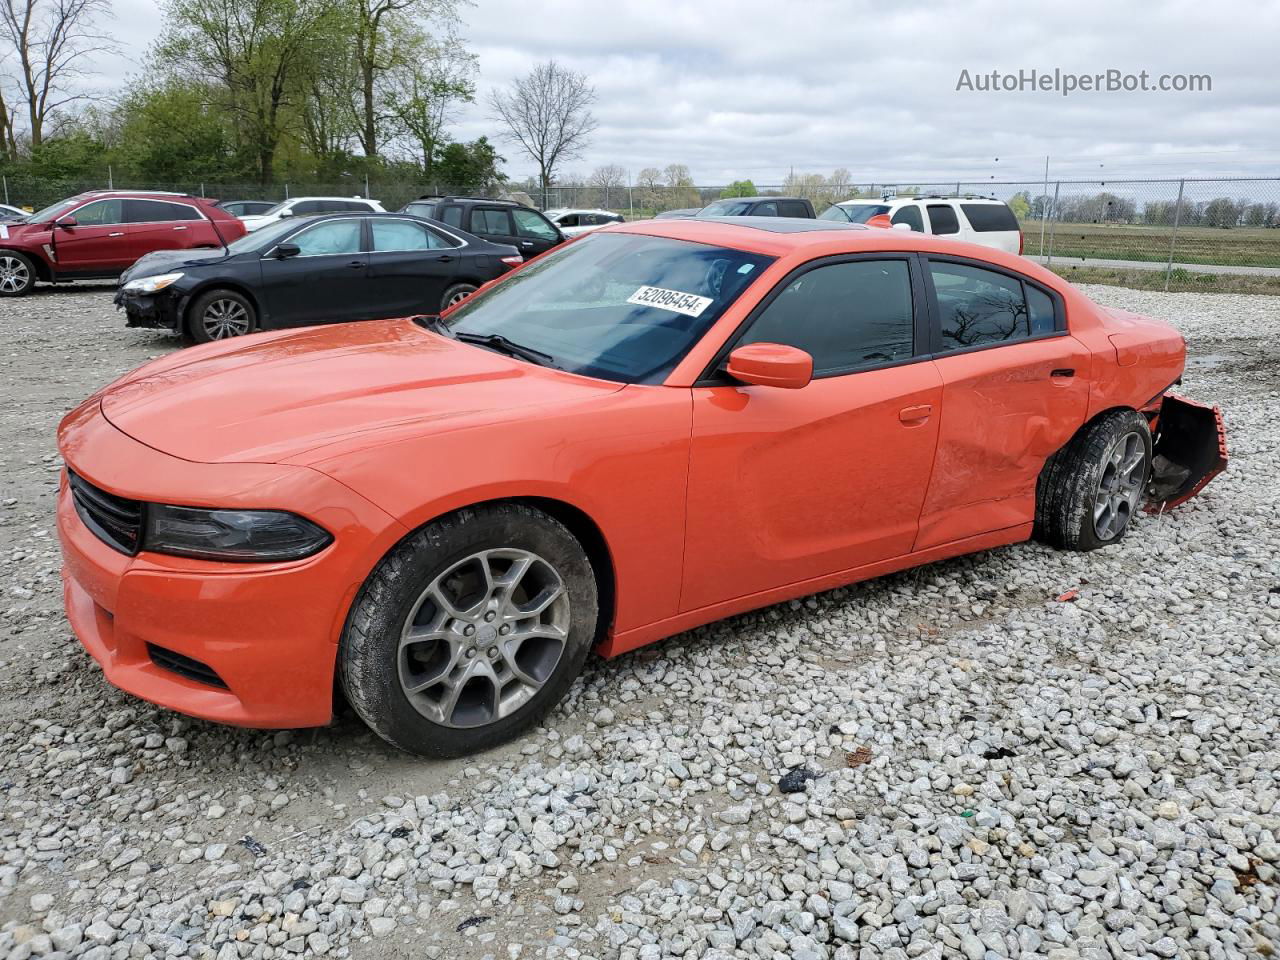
[(219, 315), (455, 294)]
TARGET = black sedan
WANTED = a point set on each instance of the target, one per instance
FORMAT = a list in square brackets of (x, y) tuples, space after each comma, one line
[(302, 271)]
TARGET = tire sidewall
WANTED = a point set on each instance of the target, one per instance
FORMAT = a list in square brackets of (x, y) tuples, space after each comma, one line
[(382, 703), (194, 326), (31, 273)]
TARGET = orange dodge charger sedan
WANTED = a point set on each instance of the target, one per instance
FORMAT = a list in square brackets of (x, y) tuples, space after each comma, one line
[(655, 426)]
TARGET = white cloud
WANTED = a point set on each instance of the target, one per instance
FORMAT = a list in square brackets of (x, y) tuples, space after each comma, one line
[(738, 88)]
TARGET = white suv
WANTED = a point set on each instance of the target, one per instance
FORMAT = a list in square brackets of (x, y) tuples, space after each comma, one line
[(573, 223), (310, 207), (978, 220)]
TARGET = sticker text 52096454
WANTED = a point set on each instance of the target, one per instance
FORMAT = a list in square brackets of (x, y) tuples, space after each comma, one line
[(690, 304)]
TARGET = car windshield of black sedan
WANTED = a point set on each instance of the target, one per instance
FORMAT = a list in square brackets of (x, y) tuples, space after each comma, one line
[(263, 239), (620, 307)]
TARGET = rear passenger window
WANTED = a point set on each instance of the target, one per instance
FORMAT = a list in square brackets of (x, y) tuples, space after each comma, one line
[(1040, 308), (569, 220), (769, 209), (845, 315), (452, 216), (989, 217), (401, 235), (496, 222), (137, 210), (911, 217), (943, 218), (977, 306), (792, 208)]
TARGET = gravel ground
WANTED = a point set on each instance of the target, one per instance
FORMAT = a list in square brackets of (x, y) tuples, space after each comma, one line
[(981, 770)]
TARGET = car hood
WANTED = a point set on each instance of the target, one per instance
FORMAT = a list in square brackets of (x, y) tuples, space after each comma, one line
[(167, 261), (278, 397), (253, 221)]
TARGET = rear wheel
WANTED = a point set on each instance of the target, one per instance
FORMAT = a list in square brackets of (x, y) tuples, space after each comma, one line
[(17, 274), (469, 630), (455, 294), (219, 315), (1090, 489)]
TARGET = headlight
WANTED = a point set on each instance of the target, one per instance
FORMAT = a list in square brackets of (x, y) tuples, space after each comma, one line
[(246, 536), (151, 284)]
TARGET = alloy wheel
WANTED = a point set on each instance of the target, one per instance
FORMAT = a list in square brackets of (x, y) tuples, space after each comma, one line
[(225, 318), (15, 275), (1124, 471), (484, 637), (459, 297)]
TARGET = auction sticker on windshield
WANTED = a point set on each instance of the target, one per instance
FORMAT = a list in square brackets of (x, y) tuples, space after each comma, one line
[(690, 304)]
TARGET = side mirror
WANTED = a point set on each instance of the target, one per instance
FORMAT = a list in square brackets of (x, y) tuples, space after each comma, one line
[(286, 250), (880, 220), (66, 223), (286, 212), (771, 365)]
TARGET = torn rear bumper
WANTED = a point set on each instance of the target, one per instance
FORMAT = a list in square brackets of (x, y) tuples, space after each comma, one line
[(1189, 450)]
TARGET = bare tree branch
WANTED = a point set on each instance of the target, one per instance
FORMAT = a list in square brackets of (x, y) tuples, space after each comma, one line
[(547, 113)]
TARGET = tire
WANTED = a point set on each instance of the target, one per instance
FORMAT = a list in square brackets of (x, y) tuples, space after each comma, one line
[(220, 315), (461, 687), (17, 274), (1090, 489), (459, 291)]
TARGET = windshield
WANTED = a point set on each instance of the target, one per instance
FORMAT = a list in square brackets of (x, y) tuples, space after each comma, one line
[(263, 238), (724, 208), (270, 211), (854, 212), (620, 307), (54, 211)]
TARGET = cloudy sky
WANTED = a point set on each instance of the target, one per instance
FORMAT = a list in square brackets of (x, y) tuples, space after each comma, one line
[(748, 88)]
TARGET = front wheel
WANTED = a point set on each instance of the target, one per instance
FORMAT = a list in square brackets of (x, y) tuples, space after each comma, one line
[(469, 631), (219, 315), (1091, 488), (17, 274)]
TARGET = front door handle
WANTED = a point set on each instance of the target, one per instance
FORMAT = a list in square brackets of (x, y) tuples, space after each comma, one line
[(115, 234), (916, 414), (526, 243), (179, 228), (444, 259), (1064, 372), (356, 264)]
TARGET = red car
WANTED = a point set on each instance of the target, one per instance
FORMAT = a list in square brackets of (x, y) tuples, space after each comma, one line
[(98, 235), (655, 426)]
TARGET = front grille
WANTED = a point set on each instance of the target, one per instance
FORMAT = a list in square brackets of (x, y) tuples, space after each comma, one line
[(184, 666), (117, 521)]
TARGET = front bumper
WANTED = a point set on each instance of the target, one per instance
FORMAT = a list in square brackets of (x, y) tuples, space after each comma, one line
[(1189, 450), (149, 309), (264, 635)]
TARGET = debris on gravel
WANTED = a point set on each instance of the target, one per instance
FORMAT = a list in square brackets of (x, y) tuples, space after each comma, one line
[(1033, 778)]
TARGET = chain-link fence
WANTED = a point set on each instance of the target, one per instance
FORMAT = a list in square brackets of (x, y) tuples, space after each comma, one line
[(1215, 225)]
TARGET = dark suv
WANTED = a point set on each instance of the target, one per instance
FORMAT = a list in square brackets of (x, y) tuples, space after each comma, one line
[(499, 221), (760, 207)]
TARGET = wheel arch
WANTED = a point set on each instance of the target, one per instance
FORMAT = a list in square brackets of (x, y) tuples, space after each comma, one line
[(43, 273)]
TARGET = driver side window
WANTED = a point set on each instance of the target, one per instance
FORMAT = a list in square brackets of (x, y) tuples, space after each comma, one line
[(328, 239), (100, 213), (845, 315)]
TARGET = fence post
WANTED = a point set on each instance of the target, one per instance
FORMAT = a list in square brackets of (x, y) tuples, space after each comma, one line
[(631, 200), (202, 189), (1044, 211), (366, 186), (6, 188), (957, 188), (1053, 210), (1173, 237), (110, 178), (286, 191)]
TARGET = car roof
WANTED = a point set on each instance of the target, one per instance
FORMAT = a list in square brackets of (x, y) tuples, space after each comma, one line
[(756, 198), (787, 224), (855, 201), (561, 211), (295, 199), (142, 194)]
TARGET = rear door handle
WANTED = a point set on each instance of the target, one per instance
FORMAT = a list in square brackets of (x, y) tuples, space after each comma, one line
[(526, 243), (444, 259), (115, 234), (356, 264), (1064, 372), (915, 414), (179, 228)]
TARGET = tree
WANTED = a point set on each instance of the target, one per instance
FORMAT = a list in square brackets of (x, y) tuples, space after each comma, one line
[(385, 37), (608, 178), (1020, 204), (424, 97), (470, 167), (52, 42), (261, 52), (547, 113), (739, 188)]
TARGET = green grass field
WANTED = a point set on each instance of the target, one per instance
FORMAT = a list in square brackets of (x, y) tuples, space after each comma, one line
[(1244, 246), (1180, 281)]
